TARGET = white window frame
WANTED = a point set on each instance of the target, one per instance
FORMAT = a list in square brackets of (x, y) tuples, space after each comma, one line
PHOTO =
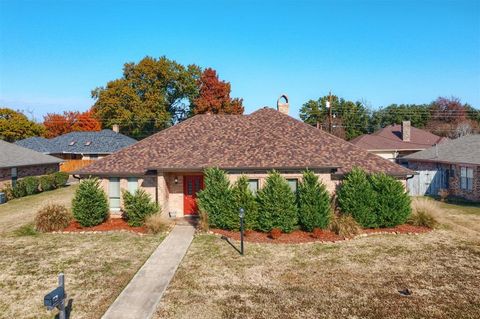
[(251, 181), (114, 193), (466, 178), (293, 180), (132, 184)]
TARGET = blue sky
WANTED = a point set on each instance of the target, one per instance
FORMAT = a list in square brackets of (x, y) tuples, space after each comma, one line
[(53, 53)]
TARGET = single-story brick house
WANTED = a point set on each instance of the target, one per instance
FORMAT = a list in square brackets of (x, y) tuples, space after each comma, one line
[(18, 162), (79, 149), (453, 165), (169, 165), (393, 142)]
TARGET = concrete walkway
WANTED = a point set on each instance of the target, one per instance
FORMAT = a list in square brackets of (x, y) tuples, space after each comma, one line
[(141, 296)]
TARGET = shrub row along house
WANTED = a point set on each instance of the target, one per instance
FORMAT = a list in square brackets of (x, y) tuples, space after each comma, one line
[(169, 165), (79, 149), (17, 162)]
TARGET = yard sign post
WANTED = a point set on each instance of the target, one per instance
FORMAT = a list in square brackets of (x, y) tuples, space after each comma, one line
[(242, 215)]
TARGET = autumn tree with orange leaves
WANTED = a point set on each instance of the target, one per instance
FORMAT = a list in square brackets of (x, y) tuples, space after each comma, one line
[(214, 96), (58, 124)]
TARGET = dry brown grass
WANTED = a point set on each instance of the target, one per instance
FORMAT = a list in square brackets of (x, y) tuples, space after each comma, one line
[(157, 223), (97, 266), (353, 279)]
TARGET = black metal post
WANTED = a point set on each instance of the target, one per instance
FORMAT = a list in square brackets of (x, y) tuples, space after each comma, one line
[(241, 235)]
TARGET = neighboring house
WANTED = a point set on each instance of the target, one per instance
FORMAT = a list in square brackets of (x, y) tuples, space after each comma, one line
[(453, 165), (396, 141), (169, 165), (79, 149), (17, 162)]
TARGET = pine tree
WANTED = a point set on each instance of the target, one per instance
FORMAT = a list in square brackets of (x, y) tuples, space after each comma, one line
[(277, 205), (313, 203), (90, 203), (244, 198)]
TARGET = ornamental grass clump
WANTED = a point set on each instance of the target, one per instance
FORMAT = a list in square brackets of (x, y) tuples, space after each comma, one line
[(138, 206), (277, 205), (90, 203), (423, 212), (313, 203), (216, 200), (52, 217), (244, 198), (344, 225)]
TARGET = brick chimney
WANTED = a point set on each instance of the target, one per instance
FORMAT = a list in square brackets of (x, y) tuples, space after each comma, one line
[(283, 107), (406, 128), (116, 128)]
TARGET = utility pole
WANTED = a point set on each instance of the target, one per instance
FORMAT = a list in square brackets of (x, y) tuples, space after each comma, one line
[(329, 106)]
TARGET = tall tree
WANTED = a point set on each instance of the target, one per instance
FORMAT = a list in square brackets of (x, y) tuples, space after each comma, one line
[(58, 124), (151, 95), (417, 114), (14, 126), (214, 96), (349, 119)]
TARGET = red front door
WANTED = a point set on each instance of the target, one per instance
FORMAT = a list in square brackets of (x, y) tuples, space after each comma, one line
[(192, 184)]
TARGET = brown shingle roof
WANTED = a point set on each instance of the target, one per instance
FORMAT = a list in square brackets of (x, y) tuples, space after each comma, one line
[(264, 139), (390, 138)]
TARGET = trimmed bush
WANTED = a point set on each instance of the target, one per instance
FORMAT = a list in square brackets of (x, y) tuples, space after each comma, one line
[(8, 191), (392, 203), (216, 199), (31, 185), (60, 179), (138, 206), (52, 217), (47, 182), (357, 198), (276, 205), (20, 189), (244, 198), (90, 203), (313, 203)]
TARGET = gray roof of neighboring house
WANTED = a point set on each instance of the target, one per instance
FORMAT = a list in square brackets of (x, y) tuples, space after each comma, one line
[(100, 142), (12, 155), (462, 150)]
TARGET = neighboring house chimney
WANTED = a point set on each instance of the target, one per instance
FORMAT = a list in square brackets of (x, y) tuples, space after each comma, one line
[(283, 107), (406, 131), (116, 128)]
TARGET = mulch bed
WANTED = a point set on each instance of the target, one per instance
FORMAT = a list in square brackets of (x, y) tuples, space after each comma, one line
[(111, 224), (299, 236)]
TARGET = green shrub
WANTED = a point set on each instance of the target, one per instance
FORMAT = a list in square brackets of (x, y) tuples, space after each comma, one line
[(244, 198), (20, 189), (138, 206), (60, 179), (52, 217), (276, 205), (357, 198), (392, 203), (7, 189), (216, 199), (31, 185), (90, 203), (47, 183), (313, 203)]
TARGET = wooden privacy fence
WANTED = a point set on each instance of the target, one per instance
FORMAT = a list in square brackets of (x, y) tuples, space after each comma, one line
[(73, 165), (427, 182)]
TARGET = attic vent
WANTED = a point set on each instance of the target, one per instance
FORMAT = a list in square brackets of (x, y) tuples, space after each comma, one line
[(72, 143), (88, 143)]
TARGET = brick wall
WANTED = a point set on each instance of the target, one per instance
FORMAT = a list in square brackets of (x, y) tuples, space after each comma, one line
[(24, 171)]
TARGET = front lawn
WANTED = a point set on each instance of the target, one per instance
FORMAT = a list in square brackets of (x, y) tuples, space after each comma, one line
[(97, 266), (359, 278)]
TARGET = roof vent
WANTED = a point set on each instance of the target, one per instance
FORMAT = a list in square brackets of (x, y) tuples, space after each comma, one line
[(72, 143), (88, 143), (283, 106)]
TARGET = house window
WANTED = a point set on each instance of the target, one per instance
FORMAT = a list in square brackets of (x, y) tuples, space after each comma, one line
[(253, 185), (293, 183), (132, 184), (466, 178), (114, 193), (14, 173)]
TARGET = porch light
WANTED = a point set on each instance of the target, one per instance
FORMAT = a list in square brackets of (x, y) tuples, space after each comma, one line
[(175, 180)]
